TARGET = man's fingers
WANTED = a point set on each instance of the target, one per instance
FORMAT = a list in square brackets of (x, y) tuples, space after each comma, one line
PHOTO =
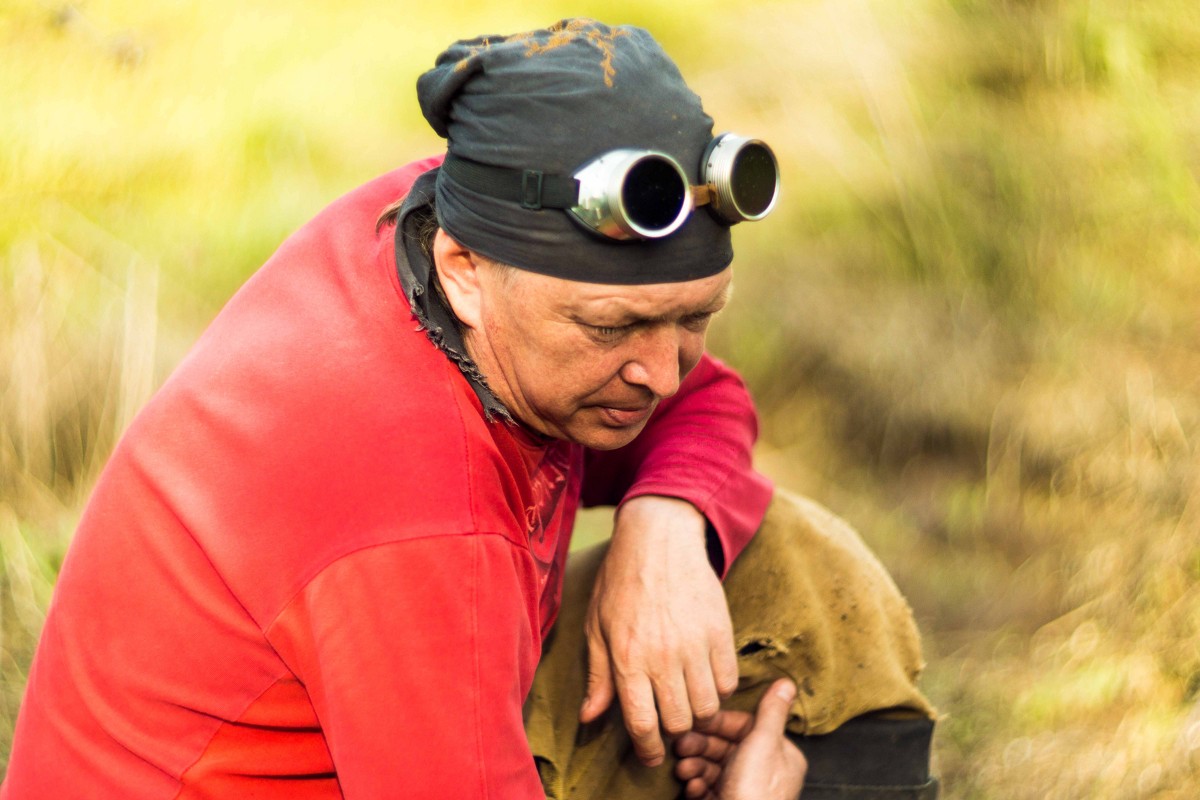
[(699, 745), (702, 689), (690, 744), (729, 725), (600, 690), (698, 775), (697, 789), (674, 707), (691, 768), (774, 707), (641, 718), (723, 658)]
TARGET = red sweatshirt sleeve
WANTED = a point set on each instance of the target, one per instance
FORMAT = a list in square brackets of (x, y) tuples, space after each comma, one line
[(696, 447), (416, 656)]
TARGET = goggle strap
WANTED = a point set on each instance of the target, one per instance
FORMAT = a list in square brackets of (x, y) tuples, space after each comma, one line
[(530, 188)]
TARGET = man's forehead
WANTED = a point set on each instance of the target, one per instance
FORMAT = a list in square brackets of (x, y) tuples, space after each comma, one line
[(646, 301)]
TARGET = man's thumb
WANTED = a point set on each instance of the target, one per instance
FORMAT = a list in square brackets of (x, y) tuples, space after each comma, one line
[(774, 706)]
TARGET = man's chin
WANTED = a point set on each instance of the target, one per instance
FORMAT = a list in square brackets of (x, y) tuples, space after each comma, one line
[(605, 437)]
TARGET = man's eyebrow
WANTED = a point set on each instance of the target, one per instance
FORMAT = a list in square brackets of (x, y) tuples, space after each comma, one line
[(714, 305), (721, 300)]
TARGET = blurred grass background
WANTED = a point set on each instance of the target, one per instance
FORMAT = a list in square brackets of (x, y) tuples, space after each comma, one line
[(972, 325)]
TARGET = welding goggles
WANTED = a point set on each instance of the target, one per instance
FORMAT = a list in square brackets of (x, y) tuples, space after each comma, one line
[(639, 194)]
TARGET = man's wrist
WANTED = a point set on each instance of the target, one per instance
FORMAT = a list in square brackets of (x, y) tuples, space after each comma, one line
[(660, 514), (671, 516)]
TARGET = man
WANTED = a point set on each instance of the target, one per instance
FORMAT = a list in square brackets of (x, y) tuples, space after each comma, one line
[(327, 557)]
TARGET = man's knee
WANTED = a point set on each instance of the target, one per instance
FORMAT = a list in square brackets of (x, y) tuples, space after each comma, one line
[(809, 600)]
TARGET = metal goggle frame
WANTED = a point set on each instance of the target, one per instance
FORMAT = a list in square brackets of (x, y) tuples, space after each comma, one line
[(639, 194)]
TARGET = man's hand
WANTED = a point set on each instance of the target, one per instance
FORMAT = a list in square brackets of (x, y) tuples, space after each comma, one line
[(740, 756), (658, 629)]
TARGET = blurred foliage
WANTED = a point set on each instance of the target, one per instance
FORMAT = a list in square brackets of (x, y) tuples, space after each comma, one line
[(971, 326)]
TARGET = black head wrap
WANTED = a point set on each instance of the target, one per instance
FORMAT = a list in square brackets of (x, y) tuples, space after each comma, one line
[(552, 100)]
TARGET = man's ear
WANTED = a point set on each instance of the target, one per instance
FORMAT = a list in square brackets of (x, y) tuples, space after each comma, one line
[(458, 272)]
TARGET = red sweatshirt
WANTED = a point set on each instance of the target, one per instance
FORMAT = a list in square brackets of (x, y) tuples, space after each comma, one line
[(312, 569)]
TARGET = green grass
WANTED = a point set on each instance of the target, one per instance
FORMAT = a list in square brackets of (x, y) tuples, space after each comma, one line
[(970, 326)]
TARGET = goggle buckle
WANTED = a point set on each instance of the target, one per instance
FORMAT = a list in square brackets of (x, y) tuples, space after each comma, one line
[(531, 189)]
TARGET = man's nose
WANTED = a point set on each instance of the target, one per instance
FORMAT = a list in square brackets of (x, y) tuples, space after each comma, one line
[(657, 361)]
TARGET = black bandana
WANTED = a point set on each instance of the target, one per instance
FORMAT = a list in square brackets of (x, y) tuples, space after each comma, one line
[(552, 100)]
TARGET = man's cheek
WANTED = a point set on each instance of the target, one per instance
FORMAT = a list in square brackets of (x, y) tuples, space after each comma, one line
[(689, 357)]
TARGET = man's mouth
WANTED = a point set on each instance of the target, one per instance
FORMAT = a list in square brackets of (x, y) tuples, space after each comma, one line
[(627, 416)]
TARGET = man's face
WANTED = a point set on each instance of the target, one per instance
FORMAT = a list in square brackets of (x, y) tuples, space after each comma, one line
[(589, 362)]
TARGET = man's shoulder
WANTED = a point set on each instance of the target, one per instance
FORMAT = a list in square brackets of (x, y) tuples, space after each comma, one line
[(271, 496)]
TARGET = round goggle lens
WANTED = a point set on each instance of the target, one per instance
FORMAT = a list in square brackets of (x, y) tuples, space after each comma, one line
[(754, 180), (653, 194)]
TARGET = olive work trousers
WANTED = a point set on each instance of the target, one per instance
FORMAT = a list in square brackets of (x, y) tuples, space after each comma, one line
[(808, 600)]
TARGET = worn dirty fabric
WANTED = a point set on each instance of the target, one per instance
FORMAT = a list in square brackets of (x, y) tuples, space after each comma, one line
[(551, 100), (808, 600), (314, 569)]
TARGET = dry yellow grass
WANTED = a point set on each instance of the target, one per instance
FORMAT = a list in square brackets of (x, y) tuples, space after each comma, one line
[(971, 326)]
